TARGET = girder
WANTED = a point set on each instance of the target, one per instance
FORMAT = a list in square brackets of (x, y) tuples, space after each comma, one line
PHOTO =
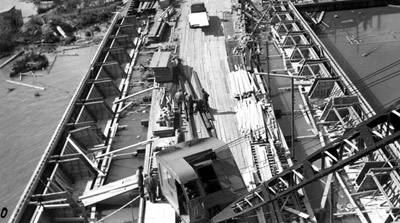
[(338, 153)]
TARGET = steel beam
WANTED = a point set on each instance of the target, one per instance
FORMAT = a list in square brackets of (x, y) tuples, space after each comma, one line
[(362, 133)]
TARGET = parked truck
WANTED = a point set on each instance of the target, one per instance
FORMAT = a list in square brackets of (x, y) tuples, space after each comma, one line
[(198, 16)]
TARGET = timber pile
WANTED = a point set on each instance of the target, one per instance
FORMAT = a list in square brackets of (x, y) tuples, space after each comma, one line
[(249, 110), (250, 118), (167, 13), (241, 83), (109, 190), (147, 5), (162, 66), (157, 30)]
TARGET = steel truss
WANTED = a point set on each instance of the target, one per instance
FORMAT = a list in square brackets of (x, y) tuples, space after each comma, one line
[(377, 134)]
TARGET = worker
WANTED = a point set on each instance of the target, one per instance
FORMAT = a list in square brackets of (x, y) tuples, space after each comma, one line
[(189, 101), (205, 99), (199, 106), (154, 173), (179, 98), (151, 187), (140, 180)]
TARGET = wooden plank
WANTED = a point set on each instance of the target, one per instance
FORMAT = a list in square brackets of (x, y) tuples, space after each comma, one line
[(69, 219), (326, 191), (133, 95), (49, 196), (382, 190), (119, 209), (85, 159), (109, 190), (348, 195), (206, 121), (12, 58), (26, 85), (126, 147), (296, 212)]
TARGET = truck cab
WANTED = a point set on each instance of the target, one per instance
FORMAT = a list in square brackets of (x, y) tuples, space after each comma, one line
[(198, 16)]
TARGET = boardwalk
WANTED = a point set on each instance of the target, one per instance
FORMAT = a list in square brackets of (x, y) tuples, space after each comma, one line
[(203, 51)]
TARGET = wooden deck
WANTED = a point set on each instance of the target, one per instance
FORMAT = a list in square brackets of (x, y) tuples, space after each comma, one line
[(203, 51)]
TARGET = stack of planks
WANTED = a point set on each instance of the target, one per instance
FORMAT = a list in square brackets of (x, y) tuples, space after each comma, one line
[(167, 13), (241, 83), (250, 118), (109, 190), (157, 30), (147, 5), (249, 110), (162, 66)]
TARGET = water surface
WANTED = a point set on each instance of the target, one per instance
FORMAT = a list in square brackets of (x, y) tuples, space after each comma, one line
[(366, 43), (29, 118)]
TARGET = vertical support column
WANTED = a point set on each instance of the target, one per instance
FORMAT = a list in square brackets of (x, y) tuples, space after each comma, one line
[(292, 121)]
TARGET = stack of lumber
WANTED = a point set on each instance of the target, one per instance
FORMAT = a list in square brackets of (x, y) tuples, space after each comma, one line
[(168, 12), (271, 123), (157, 30), (162, 66), (147, 5), (250, 118), (249, 110), (109, 190), (241, 83)]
